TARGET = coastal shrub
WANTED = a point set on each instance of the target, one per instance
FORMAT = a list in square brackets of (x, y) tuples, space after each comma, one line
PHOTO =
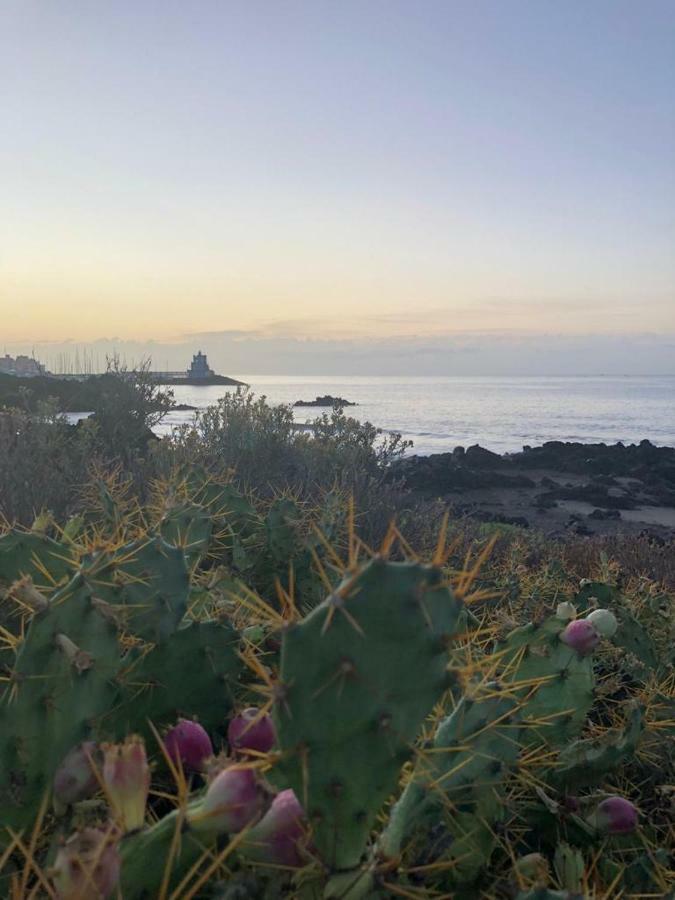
[(126, 405), (268, 451), (43, 462)]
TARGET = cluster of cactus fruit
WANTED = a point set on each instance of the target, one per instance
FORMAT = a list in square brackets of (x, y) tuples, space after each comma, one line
[(176, 735)]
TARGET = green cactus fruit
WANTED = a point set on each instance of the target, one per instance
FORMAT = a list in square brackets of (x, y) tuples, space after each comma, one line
[(630, 635), (569, 866), (358, 676)]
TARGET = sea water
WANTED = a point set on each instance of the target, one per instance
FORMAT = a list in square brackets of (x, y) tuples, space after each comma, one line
[(502, 414)]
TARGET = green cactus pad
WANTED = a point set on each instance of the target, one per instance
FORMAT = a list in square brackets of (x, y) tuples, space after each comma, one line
[(149, 580), (555, 684), (49, 563), (586, 762), (193, 674), (62, 679), (358, 676), (457, 781)]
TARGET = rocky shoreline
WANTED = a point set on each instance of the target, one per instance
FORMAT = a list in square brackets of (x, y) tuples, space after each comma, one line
[(559, 488)]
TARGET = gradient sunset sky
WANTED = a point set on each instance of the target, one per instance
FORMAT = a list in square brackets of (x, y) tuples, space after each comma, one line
[(395, 173)]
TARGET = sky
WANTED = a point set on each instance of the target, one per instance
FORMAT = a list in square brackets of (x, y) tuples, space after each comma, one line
[(463, 186)]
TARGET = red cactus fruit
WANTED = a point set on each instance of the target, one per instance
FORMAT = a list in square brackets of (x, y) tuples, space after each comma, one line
[(615, 815), (75, 778), (278, 838), (581, 636), (251, 730), (188, 742), (233, 800), (87, 866)]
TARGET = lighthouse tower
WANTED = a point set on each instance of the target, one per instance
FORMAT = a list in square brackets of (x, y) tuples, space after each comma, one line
[(200, 367)]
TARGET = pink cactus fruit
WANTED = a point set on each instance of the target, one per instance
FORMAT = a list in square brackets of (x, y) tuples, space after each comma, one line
[(233, 800), (581, 636), (75, 779), (188, 742), (251, 730), (87, 866), (126, 776), (614, 815), (279, 837)]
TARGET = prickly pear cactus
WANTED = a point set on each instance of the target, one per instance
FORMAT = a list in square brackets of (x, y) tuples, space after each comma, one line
[(554, 682), (63, 677), (48, 562), (630, 636), (457, 781), (358, 676), (193, 674), (588, 761), (147, 580)]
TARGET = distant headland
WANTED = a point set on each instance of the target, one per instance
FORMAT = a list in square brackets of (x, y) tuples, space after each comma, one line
[(25, 383), (199, 373)]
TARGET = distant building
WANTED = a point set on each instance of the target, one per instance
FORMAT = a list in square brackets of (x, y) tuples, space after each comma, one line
[(200, 367), (22, 366)]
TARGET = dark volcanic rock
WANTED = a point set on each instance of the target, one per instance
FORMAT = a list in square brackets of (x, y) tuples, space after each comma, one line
[(479, 458), (604, 514), (615, 460), (445, 472), (326, 400), (595, 494), (540, 481)]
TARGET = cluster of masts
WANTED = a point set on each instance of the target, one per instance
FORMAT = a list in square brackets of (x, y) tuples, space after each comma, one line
[(83, 362)]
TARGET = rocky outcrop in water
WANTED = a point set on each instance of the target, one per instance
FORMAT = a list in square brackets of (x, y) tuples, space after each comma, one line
[(326, 400)]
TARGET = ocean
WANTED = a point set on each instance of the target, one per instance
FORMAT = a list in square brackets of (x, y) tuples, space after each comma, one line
[(501, 414)]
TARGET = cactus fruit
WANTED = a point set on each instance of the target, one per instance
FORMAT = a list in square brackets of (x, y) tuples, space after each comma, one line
[(234, 800), (629, 635), (604, 622), (87, 866), (280, 837), (614, 815), (358, 676), (251, 730), (565, 611), (532, 869), (581, 636), (569, 866), (75, 779), (189, 744), (126, 780)]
